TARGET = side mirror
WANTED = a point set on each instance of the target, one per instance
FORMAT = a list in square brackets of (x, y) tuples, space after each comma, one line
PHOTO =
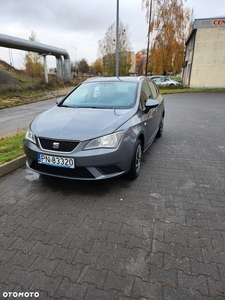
[(150, 103)]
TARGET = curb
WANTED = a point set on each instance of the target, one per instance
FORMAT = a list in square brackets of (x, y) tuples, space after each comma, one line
[(12, 165)]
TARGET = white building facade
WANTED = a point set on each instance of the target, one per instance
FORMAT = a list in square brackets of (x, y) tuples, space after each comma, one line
[(204, 62)]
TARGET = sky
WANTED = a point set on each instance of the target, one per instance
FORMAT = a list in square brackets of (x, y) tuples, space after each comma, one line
[(78, 25)]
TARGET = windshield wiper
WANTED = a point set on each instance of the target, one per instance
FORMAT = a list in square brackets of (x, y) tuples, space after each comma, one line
[(69, 106)]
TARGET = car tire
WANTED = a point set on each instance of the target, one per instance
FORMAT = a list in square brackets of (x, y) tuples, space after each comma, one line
[(160, 130), (136, 161)]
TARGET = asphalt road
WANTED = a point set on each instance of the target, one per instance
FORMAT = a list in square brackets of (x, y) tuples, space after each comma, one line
[(160, 237), (17, 119)]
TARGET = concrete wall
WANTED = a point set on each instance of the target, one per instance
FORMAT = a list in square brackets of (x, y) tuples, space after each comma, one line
[(186, 72), (208, 68)]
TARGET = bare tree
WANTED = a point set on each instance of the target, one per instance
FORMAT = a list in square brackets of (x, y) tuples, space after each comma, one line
[(107, 50)]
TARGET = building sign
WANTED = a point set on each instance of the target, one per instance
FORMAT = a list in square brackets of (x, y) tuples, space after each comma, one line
[(218, 22)]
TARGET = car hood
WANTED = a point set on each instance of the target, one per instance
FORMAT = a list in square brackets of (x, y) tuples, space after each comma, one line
[(78, 123)]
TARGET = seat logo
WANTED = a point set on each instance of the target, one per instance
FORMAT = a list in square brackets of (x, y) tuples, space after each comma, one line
[(55, 145)]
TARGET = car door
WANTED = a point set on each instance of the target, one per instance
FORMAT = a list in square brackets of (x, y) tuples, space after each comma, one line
[(157, 112), (147, 117)]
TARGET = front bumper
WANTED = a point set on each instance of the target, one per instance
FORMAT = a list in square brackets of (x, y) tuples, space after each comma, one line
[(94, 164)]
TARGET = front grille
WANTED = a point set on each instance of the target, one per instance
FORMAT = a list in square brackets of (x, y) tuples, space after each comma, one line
[(64, 146), (64, 172), (109, 170)]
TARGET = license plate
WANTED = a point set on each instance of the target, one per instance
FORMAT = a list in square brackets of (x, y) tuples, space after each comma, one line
[(56, 161)]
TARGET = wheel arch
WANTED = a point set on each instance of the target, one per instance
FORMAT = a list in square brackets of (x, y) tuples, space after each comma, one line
[(142, 140)]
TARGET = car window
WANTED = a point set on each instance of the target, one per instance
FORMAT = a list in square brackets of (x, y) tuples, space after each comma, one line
[(102, 95), (145, 95), (157, 90), (154, 90)]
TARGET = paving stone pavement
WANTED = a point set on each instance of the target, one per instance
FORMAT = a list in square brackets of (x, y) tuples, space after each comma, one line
[(161, 236)]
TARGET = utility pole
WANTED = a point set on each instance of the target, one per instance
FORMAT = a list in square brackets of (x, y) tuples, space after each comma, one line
[(149, 28)]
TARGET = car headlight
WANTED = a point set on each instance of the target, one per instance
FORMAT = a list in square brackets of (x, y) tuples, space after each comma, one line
[(30, 136), (107, 141)]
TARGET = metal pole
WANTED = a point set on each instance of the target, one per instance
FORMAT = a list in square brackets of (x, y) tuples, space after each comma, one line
[(45, 68), (59, 67), (117, 39), (75, 59), (149, 27)]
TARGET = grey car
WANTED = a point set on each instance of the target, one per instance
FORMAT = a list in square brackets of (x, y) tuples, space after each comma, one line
[(98, 131)]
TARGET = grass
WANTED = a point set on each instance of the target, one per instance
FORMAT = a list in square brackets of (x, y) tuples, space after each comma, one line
[(176, 90), (11, 147), (30, 92), (14, 95)]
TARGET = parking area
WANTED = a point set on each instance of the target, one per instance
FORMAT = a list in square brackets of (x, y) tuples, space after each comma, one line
[(161, 236)]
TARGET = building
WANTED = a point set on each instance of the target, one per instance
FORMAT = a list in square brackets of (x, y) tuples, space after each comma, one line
[(132, 61), (204, 62), (138, 63)]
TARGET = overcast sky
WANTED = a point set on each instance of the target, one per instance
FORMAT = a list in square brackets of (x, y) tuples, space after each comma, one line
[(78, 25)]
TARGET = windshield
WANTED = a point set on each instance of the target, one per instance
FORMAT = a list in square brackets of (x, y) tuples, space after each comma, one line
[(115, 95)]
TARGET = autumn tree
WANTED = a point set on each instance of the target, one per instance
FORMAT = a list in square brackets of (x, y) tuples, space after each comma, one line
[(33, 61), (107, 50), (169, 23), (97, 67)]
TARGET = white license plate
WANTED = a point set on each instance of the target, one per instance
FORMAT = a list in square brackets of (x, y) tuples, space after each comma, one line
[(56, 161)]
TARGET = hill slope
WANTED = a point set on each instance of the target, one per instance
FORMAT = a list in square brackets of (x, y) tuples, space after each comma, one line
[(9, 75), (7, 79)]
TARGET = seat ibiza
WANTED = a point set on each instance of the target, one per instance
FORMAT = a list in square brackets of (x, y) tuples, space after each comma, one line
[(98, 131)]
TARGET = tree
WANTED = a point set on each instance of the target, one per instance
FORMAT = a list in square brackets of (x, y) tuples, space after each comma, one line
[(107, 50), (83, 66), (97, 67), (169, 26), (33, 61)]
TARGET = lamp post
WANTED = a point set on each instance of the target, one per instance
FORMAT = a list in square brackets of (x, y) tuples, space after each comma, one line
[(117, 39), (149, 27)]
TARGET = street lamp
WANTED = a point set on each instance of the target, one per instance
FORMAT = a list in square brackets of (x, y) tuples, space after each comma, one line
[(149, 27), (117, 39)]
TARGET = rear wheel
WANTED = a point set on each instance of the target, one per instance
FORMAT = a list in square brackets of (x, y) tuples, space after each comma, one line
[(136, 161)]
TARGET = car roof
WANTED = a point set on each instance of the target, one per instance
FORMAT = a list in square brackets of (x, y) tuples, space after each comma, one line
[(117, 79)]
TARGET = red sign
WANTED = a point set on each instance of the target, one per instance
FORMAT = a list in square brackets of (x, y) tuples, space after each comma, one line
[(218, 22)]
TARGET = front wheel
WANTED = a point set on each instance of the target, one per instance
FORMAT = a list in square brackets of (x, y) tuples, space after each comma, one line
[(136, 161)]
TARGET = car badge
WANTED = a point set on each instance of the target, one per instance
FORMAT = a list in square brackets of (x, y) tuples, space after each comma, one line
[(55, 145)]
